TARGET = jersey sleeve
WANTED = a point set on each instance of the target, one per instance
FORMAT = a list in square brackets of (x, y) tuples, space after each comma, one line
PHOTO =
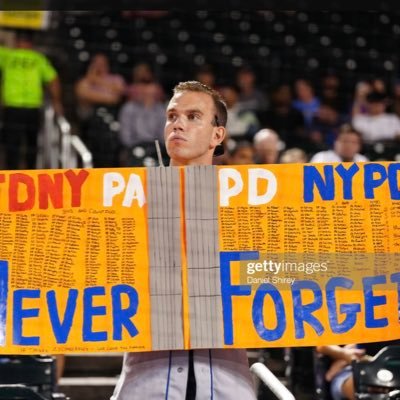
[(47, 70)]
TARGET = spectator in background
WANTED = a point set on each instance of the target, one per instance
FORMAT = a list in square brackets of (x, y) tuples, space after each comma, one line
[(360, 98), (330, 92), (24, 73), (241, 154), (306, 101), (325, 126), (142, 75), (339, 373), (377, 125), (378, 85), (242, 124), (283, 118), (142, 121), (363, 88), (346, 148), (250, 97), (396, 98), (293, 156), (99, 95), (267, 146), (206, 76)]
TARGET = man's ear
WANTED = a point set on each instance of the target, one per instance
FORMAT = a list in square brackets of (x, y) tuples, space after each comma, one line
[(219, 135)]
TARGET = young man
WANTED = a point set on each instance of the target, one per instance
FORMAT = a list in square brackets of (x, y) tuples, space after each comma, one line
[(195, 126)]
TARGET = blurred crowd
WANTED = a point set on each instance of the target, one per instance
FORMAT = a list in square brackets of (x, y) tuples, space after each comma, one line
[(298, 121), (119, 119)]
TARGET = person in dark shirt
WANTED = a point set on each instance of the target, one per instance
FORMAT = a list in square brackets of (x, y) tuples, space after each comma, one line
[(283, 118)]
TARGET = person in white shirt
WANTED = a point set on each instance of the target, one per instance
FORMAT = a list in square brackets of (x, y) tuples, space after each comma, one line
[(346, 147), (377, 125)]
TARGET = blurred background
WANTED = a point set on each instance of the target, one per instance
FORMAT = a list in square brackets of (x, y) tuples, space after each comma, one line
[(300, 86)]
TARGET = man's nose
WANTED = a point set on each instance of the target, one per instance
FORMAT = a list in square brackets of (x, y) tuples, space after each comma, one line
[(178, 123)]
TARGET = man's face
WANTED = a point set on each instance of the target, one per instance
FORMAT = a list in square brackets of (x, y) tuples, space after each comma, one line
[(190, 135), (347, 146)]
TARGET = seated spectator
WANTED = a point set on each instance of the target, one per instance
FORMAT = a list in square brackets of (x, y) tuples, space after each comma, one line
[(99, 85), (267, 146), (293, 156), (242, 124), (363, 88), (396, 98), (325, 126), (142, 74), (330, 92), (339, 373), (346, 148), (283, 118), (250, 97), (99, 94), (142, 122), (378, 85), (241, 154), (377, 125), (206, 76), (360, 98), (306, 101)]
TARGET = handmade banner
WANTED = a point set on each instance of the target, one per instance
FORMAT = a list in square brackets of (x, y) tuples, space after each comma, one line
[(198, 257)]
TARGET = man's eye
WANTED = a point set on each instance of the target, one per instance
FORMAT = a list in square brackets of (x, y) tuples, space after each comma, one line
[(192, 117), (171, 117)]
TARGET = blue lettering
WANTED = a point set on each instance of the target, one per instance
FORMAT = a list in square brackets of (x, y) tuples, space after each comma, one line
[(61, 329), (370, 184), (313, 177), (3, 300), (257, 312), (228, 290), (347, 178), (371, 301), (393, 182), (122, 316), (89, 311), (395, 278), (303, 312), (350, 310), (19, 313)]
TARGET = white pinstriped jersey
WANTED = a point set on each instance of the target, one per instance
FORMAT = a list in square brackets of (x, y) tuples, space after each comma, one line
[(221, 374)]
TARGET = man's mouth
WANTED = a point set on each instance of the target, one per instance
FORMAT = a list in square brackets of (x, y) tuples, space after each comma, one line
[(177, 138)]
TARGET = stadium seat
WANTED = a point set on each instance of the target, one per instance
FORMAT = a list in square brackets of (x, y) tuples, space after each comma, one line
[(379, 378), (28, 377)]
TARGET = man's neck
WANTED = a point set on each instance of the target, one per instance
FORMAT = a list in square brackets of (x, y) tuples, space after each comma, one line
[(187, 163)]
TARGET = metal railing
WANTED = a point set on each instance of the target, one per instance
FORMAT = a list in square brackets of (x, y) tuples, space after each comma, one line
[(270, 380), (60, 148)]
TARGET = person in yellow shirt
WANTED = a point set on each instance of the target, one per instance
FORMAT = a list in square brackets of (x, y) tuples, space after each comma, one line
[(25, 72)]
